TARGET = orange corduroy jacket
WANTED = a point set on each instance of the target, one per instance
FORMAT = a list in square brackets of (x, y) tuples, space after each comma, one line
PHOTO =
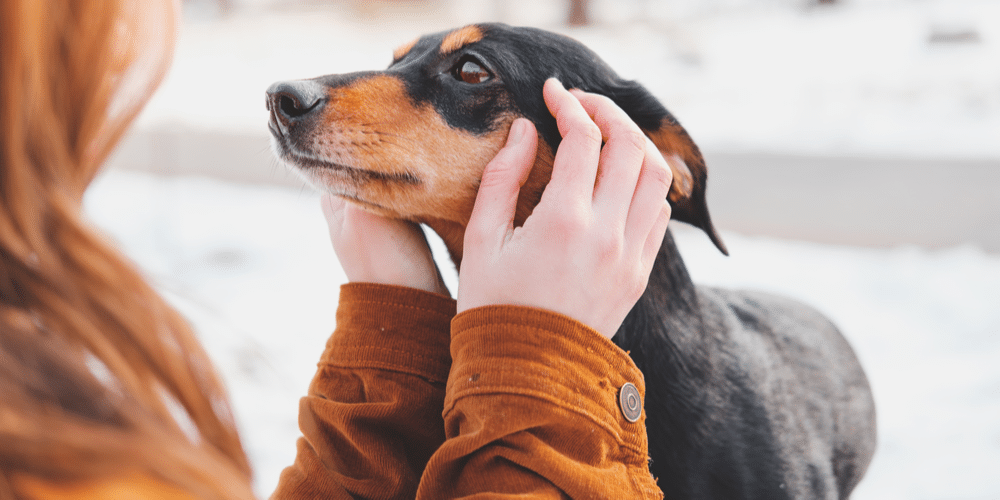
[(412, 401)]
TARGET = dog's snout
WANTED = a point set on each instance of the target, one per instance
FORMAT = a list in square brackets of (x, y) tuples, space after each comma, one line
[(292, 101)]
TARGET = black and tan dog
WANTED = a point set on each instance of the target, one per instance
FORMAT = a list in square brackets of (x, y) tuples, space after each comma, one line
[(748, 395)]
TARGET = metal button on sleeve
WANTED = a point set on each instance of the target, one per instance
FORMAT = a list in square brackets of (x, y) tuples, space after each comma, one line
[(630, 402)]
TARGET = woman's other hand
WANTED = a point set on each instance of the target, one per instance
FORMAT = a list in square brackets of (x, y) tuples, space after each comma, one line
[(376, 249)]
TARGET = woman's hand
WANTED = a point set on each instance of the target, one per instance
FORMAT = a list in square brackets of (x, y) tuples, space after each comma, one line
[(588, 248), (376, 249)]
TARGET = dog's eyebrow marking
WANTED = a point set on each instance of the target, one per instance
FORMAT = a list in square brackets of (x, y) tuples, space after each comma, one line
[(460, 38), (401, 51)]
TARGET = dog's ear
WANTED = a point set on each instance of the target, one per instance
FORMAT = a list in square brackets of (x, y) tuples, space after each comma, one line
[(687, 193)]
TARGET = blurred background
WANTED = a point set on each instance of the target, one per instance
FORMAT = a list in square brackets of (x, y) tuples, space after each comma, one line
[(853, 149)]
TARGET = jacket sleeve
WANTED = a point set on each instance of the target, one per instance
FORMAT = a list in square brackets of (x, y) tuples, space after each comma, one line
[(372, 416), (532, 410)]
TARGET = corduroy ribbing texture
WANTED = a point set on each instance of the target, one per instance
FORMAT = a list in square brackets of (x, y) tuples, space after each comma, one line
[(411, 401)]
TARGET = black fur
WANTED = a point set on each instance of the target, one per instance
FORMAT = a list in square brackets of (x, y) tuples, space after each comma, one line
[(521, 59), (747, 395)]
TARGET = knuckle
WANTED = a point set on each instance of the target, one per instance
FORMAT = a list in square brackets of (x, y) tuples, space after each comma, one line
[(637, 283), (609, 247), (634, 137), (567, 224), (603, 101), (492, 178), (475, 236), (588, 131), (573, 226), (638, 288), (666, 211), (594, 133), (659, 173), (499, 175)]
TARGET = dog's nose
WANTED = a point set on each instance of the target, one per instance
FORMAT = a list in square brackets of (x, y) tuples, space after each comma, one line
[(293, 101)]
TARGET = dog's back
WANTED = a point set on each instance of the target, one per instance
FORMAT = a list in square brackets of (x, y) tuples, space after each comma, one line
[(760, 396)]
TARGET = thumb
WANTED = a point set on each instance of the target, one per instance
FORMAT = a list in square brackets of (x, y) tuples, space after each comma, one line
[(493, 213)]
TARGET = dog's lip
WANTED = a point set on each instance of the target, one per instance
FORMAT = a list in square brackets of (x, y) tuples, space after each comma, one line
[(308, 163)]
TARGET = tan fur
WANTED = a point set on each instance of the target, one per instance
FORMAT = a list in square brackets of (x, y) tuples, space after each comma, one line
[(460, 38), (425, 170), (401, 51), (682, 156), (683, 182), (404, 161), (407, 162), (452, 230)]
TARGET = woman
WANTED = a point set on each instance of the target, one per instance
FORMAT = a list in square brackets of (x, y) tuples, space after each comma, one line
[(105, 393), (98, 376)]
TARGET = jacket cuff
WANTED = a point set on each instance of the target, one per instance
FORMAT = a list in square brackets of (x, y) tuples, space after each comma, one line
[(391, 328), (548, 356)]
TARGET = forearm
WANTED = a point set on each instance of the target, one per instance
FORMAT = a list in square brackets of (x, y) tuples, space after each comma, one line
[(532, 408), (373, 414)]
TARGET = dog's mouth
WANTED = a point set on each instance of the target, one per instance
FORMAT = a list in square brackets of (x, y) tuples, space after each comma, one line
[(359, 175), (287, 149), (307, 163)]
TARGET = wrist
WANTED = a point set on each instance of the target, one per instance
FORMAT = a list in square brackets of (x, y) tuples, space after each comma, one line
[(375, 323), (526, 351)]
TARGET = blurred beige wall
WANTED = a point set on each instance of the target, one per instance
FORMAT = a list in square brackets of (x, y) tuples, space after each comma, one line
[(878, 202)]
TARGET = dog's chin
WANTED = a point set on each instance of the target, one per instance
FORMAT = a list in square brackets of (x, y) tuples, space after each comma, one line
[(328, 181), (327, 176)]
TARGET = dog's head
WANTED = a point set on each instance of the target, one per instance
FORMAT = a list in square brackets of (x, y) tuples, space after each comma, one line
[(411, 141)]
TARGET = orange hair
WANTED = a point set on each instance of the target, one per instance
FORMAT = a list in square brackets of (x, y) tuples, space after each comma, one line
[(99, 377)]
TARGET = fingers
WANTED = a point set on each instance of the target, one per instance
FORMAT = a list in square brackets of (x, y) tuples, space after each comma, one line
[(654, 240), (634, 179), (493, 214), (649, 196), (576, 161), (376, 249), (621, 158)]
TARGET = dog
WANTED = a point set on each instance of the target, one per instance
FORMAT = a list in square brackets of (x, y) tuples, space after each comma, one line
[(748, 395)]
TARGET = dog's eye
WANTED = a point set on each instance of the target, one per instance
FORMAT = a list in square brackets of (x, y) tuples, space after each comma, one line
[(470, 71)]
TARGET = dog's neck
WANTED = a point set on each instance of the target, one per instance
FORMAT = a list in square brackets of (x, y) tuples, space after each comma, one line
[(452, 234), (667, 312), (667, 336)]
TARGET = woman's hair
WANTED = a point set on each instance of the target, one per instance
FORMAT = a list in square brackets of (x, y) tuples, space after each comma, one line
[(99, 377)]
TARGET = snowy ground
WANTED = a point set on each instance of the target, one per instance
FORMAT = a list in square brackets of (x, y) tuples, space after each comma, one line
[(252, 269)]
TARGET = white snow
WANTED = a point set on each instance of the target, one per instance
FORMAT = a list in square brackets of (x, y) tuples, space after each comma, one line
[(252, 269)]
